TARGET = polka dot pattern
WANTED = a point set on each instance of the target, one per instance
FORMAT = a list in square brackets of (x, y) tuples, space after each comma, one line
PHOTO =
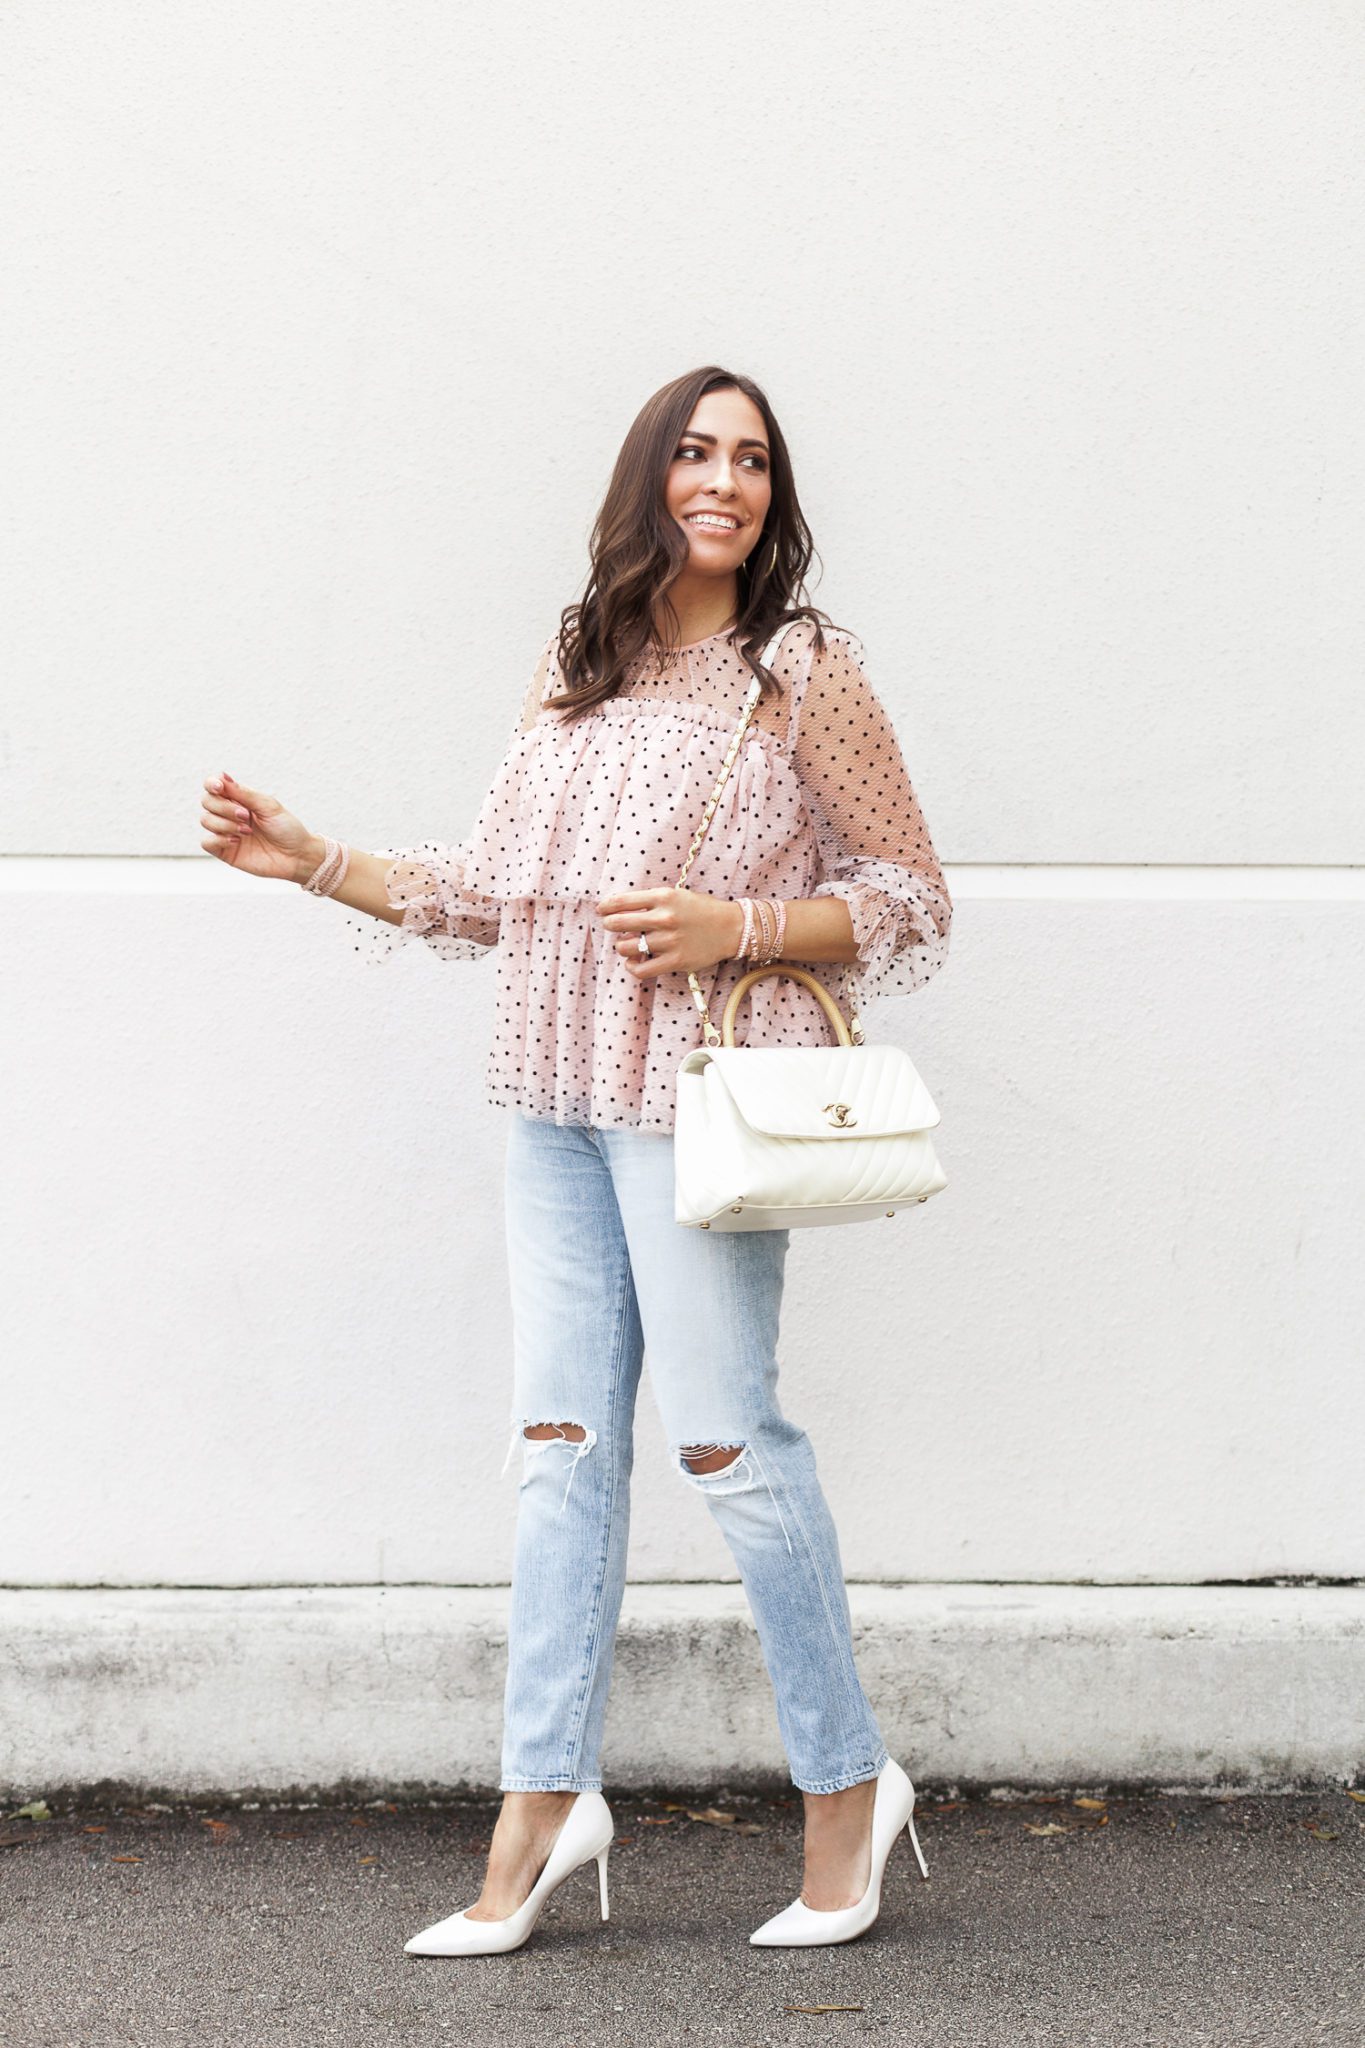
[(818, 802)]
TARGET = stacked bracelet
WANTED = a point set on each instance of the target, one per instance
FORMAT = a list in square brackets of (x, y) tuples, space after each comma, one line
[(765, 928), (330, 872)]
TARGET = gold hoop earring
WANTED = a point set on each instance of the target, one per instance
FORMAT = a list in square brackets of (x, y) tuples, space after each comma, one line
[(773, 564)]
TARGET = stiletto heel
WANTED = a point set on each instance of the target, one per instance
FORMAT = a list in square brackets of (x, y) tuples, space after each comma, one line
[(803, 1926), (585, 1834)]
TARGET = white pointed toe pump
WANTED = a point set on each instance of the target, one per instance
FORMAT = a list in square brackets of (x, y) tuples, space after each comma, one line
[(803, 1926), (585, 1834)]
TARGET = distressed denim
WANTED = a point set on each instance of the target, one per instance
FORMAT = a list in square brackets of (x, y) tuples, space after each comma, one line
[(603, 1277)]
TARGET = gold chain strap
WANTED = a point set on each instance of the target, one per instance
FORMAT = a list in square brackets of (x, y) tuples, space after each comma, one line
[(726, 766), (709, 1031)]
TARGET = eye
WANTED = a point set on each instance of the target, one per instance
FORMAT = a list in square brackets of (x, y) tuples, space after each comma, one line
[(692, 448)]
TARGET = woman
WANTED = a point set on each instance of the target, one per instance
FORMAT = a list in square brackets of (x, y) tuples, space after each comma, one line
[(816, 852)]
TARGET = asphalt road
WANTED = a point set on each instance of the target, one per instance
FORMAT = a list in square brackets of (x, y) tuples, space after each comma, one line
[(1162, 1920)]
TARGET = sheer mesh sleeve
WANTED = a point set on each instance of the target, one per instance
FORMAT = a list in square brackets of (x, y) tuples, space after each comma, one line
[(427, 881), (874, 845), (546, 669)]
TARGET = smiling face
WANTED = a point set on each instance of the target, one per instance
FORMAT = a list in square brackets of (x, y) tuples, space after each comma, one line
[(719, 484)]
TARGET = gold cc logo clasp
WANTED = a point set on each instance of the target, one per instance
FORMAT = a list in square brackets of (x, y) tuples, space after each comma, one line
[(839, 1113)]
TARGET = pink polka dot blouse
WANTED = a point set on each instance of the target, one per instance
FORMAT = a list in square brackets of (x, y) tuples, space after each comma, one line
[(817, 803)]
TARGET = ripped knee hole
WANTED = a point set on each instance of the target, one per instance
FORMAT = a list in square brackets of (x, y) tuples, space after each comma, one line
[(540, 1432), (710, 1457)]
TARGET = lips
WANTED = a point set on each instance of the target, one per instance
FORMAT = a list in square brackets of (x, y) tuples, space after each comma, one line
[(713, 522)]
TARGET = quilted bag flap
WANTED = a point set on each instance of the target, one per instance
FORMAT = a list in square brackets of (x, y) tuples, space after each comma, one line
[(823, 1091)]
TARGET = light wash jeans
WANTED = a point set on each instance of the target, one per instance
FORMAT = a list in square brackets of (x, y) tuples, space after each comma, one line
[(600, 1271)]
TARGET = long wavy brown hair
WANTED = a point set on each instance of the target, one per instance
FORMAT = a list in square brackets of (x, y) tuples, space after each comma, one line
[(637, 550)]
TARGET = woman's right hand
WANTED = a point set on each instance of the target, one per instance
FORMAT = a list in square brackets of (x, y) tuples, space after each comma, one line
[(255, 833)]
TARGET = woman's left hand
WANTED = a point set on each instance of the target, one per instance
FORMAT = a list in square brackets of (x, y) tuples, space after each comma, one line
[(687, 930)]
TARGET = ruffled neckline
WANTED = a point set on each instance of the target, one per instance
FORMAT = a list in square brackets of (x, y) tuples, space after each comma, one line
[(724, 633), (691, 646)]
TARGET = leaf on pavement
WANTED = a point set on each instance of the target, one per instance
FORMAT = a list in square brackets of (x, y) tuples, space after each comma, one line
[(714, 1818)]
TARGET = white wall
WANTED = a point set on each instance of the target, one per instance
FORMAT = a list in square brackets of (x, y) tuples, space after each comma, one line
[(323, 325)]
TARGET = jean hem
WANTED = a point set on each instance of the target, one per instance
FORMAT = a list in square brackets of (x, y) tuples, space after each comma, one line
[(842, 1783), (550, 1785)]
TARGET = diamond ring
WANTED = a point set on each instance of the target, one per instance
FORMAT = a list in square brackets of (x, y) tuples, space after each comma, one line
[(642, 946)]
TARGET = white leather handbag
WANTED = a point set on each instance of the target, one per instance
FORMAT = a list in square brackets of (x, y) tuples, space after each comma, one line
[(776, 1137)]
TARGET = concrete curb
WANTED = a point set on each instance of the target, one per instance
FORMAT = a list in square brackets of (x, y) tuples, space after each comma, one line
[(311, 1691)]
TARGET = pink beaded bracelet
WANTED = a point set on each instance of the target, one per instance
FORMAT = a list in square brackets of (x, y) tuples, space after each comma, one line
[(765, 928), (330, 872), (770, 918)]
